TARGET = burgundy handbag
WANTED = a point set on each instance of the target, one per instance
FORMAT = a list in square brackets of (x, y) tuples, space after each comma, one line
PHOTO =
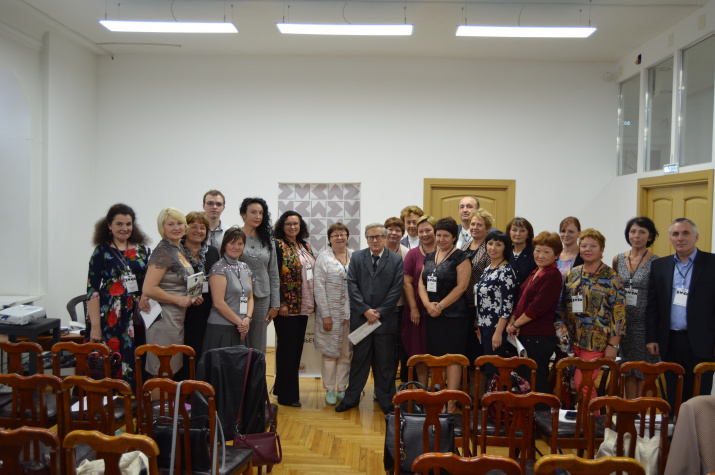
[(266, 445)]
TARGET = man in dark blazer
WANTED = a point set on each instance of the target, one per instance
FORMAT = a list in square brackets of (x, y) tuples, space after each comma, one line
[(466, 206), (680, 313), (375, 278)]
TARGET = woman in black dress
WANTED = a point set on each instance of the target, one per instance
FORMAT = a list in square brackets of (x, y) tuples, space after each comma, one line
[(445, 276)]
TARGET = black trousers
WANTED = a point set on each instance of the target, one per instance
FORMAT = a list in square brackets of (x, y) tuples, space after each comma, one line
[(382, 347), (680, 352), (290, 335), (539, 348)]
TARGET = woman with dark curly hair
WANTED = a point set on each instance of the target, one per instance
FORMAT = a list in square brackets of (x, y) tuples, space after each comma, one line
[(114, 283), (260, 255), (296, 264)]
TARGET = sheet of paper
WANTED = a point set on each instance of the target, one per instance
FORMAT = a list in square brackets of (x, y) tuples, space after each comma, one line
[(358, 335), (153, 313), (75, 406), (520, 350), (194, 285)]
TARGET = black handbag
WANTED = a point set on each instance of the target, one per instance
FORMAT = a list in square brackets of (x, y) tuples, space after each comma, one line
[(95, 362), (411, 436), (417, 408)]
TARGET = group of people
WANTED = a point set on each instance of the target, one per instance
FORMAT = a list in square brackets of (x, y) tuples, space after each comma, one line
[(422, 286)]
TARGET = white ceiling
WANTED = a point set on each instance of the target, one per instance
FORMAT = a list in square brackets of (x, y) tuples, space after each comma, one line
[(623, 25)]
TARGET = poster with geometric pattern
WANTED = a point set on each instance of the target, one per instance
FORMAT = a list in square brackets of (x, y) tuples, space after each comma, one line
[(321, 205)]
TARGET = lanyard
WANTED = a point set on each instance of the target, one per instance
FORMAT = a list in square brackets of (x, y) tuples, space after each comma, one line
[(686, 272), (119, 254), (443, 259), (347, 261), (498, 265), (580, 277), (237, 270), (630, 279)]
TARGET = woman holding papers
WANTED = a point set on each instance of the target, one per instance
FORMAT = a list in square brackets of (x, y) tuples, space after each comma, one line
[(296, 266), (114, 282), (332, 312), (534, 315), (232, 294), (593, 306), (202, 257), (165, 283), (445, 276)]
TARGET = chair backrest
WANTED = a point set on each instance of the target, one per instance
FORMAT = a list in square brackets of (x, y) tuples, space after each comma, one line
[(504, 366), (164, 354), (626, 412), (72, 307), (652, 372), (95, 407), (699, 370), (29, 401), (548, 464), (14, 353), (167, 402), (457, 465), (437, 365), (80, 353), (110, 449), (13, 442), (515, 415), (434, 404), (585, 388)]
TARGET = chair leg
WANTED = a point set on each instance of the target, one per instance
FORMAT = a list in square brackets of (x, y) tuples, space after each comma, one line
[(269, 468)]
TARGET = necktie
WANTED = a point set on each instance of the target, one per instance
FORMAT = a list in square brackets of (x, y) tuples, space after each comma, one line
[(374, 262)]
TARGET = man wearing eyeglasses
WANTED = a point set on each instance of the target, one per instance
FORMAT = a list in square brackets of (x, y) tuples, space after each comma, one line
[(214, 204), (375, 278)]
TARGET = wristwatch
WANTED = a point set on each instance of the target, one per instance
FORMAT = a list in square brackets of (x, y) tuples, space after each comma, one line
[(614, 346)]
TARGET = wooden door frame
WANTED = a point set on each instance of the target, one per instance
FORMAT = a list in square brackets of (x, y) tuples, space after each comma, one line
[(509, 186)]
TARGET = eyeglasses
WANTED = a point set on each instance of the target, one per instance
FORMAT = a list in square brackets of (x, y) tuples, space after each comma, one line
[(291, 225), (218, 204), (375, 238), (336, 235), (197, 226)]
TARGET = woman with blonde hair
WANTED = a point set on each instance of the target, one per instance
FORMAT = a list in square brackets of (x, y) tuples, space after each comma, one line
[(409, 216), (165, 282)]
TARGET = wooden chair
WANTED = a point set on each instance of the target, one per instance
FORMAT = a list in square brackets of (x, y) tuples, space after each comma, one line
[(31, 404), (238, 460), (548, 464), (80, 353), (14, 352), (110, 449), (652, 372), (13, 442), (164, 354), (627, 411), (438, 366), (433, 404), (573, 436), (698, 374), (97, 408), (504, 367), (514, 423), (457, 465)]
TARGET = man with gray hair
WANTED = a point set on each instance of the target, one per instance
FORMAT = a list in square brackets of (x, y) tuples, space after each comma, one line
[(680, 314), (466, 206), (375, 279)]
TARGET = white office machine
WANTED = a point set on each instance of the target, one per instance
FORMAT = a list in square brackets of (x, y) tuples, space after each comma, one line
[(21, 314)]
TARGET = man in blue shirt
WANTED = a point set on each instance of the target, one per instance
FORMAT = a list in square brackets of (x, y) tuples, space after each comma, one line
[(680, 314)]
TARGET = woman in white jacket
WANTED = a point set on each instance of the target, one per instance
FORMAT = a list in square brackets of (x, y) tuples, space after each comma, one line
[(332, 312)]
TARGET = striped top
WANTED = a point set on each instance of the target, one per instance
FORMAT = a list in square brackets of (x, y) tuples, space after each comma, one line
[(331, 300)]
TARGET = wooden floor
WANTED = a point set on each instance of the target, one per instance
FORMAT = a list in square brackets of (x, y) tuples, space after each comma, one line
[(317, 440)]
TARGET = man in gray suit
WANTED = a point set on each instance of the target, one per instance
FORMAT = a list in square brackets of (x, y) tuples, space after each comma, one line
[(375, 278)]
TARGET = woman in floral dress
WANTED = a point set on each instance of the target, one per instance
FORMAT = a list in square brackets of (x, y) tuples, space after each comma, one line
[(114, 282)]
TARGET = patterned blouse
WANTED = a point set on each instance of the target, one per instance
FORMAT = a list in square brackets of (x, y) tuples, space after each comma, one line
[(331, 300), (289, 270), (496, 293), (604, 305), (480, 260)]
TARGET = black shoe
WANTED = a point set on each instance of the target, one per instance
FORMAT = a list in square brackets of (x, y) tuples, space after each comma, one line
[(388, 410), (342, 407)]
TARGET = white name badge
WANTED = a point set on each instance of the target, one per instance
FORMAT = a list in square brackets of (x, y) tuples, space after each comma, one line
[(130, 282), (577, 303), (431, 283), (476, 298), (681, 297), (243, 306), (205, 287), (631, 297), (308, 272)]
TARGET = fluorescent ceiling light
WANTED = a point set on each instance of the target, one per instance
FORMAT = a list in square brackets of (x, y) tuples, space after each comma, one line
[(525, 31), (168, 26), (345, 29)]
